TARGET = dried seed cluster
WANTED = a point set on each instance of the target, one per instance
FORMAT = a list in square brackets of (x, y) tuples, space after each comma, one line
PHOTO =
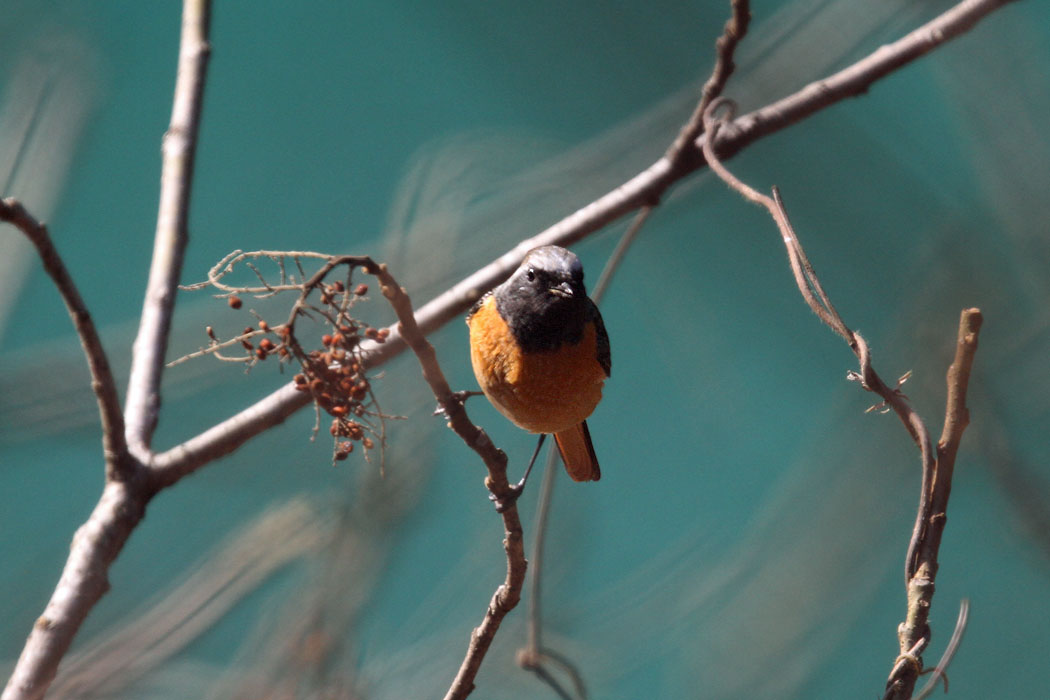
[(332, 374), (339, 385)]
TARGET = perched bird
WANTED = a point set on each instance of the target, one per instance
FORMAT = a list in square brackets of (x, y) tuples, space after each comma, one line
[(541, 354)]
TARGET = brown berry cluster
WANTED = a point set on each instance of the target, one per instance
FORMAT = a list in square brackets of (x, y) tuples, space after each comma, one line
[(335, 378)]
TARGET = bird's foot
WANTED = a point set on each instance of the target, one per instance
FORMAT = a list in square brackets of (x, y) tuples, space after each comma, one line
[(513, 494), (459, 397)]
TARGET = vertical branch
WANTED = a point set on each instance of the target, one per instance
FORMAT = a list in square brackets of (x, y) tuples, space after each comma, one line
[(179, 148)]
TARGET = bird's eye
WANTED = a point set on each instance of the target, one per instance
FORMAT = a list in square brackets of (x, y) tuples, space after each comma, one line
[(530, 275)]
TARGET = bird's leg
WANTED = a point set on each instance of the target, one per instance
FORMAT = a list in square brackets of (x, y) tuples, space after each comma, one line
[(459, 397), (515, 491)]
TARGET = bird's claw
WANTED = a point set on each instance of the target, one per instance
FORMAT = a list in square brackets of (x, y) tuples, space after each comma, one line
[(513, 494), (459, 397)]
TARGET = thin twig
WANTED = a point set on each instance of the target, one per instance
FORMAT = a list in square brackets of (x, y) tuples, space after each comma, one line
[(614, 261), (176, 179), (102, 382), (817, 299), (639, 191)]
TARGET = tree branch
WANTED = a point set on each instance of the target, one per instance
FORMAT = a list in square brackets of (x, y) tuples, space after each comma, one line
[(179, 149), (641, 190), (102, 382)]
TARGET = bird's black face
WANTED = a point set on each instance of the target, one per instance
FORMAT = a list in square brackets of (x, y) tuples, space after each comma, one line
[(544, 302)]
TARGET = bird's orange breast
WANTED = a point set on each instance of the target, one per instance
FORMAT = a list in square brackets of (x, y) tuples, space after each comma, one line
[(542, 392)]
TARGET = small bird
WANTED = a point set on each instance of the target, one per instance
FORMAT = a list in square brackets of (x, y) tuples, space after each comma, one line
[(540, 352)]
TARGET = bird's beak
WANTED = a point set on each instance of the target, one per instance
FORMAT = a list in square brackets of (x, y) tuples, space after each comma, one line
[(563, 290)]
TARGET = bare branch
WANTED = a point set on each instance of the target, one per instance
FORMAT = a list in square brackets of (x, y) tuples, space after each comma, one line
[(857, 78), (102, 383), (180, 145), (641, 190)]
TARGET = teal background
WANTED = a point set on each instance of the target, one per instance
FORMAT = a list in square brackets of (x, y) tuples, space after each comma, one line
[(747, 537)]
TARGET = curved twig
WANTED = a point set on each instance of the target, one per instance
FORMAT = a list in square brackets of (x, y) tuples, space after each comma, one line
[(102, 382), (817, 299), (684, 145)]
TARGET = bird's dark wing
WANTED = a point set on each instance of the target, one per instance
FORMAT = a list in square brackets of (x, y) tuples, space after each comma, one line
[(604, 353)]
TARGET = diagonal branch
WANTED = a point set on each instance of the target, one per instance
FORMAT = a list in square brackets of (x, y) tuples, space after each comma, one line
[(641, 190), (179, 148), (102, 383)]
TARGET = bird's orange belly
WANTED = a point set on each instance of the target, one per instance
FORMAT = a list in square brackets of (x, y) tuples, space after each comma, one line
[(542, 392)]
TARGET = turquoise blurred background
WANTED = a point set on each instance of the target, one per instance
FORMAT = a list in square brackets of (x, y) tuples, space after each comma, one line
[(748, 535)]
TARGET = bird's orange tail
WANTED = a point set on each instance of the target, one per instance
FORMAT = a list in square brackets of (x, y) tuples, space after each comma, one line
[(577, 452)]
